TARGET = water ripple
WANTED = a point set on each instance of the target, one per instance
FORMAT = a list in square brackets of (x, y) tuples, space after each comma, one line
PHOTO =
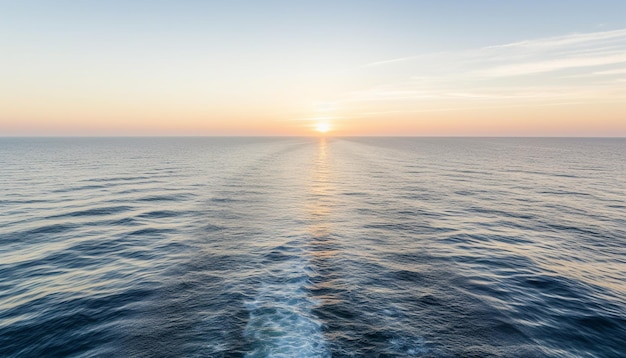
[(285, 247)]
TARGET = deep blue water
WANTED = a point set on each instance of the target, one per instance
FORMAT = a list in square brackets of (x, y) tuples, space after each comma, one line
[(304, 247)]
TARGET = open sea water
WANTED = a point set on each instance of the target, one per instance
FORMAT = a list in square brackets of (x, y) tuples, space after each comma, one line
[(312, 247)]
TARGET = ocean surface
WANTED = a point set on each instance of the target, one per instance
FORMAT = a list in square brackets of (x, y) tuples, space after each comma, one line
[(312, 247)]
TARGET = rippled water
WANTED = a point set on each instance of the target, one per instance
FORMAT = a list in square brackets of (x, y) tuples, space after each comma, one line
[(295, 247)]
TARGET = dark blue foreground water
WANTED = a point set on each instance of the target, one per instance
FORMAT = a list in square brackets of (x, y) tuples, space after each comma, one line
[(296, 247)]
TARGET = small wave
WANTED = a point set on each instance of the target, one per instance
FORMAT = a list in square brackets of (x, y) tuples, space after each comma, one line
[(152, 198), (79, 188), (101, 211), (160, 214), (415, 347), (43, 230), (149, 231), (116, 179)]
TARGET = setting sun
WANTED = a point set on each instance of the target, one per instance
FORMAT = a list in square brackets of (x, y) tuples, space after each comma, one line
[(322, 127)]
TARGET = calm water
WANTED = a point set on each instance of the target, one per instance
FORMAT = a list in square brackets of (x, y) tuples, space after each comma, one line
[(295, 247)]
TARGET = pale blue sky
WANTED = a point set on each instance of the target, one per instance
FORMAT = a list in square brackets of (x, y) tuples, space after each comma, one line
[(394, 28)]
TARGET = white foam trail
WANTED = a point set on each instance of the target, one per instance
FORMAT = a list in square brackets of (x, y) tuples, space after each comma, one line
[(281, 323)]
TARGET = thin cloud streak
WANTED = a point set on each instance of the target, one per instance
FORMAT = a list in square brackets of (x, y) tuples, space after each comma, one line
[(393, 60), (619, 71), (560, 70), (610, 41), (566, 40), (553, 65)]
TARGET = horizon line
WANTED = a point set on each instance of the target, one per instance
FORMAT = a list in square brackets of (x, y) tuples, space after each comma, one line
[(309, 136)]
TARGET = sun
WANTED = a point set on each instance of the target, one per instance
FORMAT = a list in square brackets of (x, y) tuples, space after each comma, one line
[(322, 127)]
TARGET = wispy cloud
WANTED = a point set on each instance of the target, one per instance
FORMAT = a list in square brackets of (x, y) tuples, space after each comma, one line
[(393, 60), (573, 68), (595, 38), (619, 71), (560, 53), (538, 55), (553, 65)]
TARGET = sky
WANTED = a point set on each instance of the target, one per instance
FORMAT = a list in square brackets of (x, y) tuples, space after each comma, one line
[(360, 67)]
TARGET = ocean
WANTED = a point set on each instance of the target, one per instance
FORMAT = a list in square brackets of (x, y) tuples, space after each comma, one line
[(312, 247)]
